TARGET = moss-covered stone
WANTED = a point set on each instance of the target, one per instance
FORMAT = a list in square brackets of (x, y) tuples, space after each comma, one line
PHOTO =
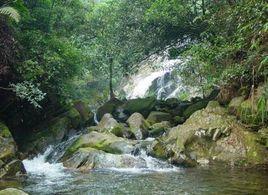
[(89, 158), (157, 117), (109, 107), (195, 107), (178, 120), (138, 125), (4, 131), (158, 129), (10, 166), (141, 105), (74, 118), (158, 150), (86, 115), (212, 134), (107, 123), (12, 191), (102, 141)]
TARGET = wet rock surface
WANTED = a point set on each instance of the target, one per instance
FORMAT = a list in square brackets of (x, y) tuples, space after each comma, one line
[(10, 165)]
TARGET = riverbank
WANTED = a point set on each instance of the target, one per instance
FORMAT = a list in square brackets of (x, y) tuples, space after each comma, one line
[(141, 139)]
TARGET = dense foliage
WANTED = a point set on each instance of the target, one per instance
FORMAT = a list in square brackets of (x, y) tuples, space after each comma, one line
[(64, 50)]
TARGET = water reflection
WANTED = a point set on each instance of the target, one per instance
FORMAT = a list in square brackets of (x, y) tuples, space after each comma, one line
[(204, 180)]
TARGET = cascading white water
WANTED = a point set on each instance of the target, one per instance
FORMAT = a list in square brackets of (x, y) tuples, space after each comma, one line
[(156, 77), (150, 164), (95, 117), (40, 167), (140, 83)]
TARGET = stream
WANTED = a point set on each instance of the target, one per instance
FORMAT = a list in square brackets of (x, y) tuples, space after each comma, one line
[(47, 176)]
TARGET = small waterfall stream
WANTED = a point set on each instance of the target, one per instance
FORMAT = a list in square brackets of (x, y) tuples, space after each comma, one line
[(157, 77), (47, 165)]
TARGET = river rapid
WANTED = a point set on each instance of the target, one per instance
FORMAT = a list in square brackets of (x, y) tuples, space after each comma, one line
[(46, 177)]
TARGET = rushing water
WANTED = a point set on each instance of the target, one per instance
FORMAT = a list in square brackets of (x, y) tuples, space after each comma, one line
[(204, 180), (45, 176), (157, 76)]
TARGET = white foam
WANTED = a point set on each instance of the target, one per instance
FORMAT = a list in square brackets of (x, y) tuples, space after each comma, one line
[(151, 165), (39, 166)]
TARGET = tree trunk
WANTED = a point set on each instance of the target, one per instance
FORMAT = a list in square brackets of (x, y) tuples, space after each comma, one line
[(112, 96), (203, 7), (50, 14)]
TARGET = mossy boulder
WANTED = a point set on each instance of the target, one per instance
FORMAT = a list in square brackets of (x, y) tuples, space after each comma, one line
[(88, 158), (107, 123), (14, 168), (4, 131), (10, 166), (138, 125), (141, 105), (157, 117), (53, 131), (74, 118), (158, 150), (212, 134), (12, 191), (107, 142), (109, 107), (194, 107), (178, 120), (158, 129), (87, 116)]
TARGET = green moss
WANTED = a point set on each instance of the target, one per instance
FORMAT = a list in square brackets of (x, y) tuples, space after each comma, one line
[(157, 117), (118, 130), (74, 116), (195, 107), (159, 151), (256, 154), (4, 131), (140, 105)]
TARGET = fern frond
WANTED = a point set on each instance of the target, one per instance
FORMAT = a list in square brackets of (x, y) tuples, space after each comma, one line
[(10, 12)]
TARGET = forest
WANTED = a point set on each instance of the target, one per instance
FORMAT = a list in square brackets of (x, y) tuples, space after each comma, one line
[(64, 65)]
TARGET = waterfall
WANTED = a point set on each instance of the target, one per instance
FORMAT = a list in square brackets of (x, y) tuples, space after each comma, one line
[(148, 165), (40, 167), (47, 164), (157, 77), (95, 118)]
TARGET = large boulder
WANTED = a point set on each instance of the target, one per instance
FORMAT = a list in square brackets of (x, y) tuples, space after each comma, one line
[(157, 117), (53, 131), (88, 158), (141, 105), (10, 165), (12, 191), (158, 129), (106, 142), (138, 125), (109, 107), (87, 117), (211, 135), (195, 107), (107, 123)]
